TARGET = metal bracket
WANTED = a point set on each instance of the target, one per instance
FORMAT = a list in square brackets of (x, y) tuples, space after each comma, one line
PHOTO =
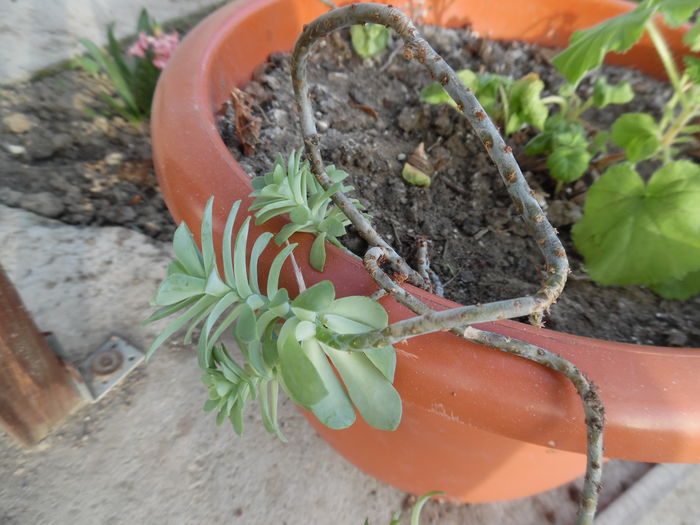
[(106, 367)]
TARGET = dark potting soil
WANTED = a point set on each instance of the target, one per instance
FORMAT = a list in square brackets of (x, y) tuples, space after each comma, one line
[(62, 158), (371, 119)]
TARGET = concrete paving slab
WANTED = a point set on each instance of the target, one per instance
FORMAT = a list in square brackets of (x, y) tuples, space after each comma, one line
[(147, 453), (35, 34)]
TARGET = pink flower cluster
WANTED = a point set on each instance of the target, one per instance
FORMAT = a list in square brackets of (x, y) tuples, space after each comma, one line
[(162, 45)]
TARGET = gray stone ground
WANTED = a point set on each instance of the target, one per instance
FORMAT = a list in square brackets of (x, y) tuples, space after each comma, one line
[(36, 34)]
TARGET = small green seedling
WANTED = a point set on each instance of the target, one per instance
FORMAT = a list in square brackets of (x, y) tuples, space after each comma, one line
[(370, 39), (637, 230), (515, 103)]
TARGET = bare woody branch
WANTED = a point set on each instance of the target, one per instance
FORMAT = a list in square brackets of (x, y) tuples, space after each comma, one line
[(457, 319), (556, 263)]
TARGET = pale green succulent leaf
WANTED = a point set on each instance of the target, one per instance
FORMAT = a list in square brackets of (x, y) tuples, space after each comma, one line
[(178, 287), (361, 309), (335, 409), (167, 311), (384, 359), (317, 257), (301, 379), (317, 298), (240, 273), (207, 238), (227, 246), (187, 252), (276, 267), (202, 304), (370, 391)]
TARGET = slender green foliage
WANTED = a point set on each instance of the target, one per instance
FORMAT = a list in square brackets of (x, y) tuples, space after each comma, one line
[(276, 335), (290, 188), (516, 103)]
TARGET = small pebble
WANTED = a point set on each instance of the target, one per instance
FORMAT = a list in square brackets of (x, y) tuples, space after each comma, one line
[(17, 123)]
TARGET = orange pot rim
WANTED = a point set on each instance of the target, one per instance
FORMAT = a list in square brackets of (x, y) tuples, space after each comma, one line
[(651, 394)]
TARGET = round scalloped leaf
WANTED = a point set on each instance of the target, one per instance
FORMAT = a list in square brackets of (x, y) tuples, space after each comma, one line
[(637, 134), (605, 94), (588, 47), (680, 289), (637, 233)]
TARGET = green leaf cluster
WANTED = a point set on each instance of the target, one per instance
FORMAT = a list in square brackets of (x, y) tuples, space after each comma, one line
[(369, 40), (646, 233), (516, 103), (291, 188), (566, 145), (134, 79), (276, 335)]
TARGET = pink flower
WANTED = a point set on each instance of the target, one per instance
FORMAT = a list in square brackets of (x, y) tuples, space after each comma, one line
[(161, 44), (163, 48), (138, 49)]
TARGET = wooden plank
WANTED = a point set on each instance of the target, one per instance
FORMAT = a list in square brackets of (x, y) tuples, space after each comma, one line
[(36, 389)]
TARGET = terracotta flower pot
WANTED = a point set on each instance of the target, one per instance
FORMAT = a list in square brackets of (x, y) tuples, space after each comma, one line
[(478, 424)]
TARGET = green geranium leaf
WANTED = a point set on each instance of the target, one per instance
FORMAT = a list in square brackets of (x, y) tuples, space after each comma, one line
[(680, 289), (604, 93), (637, 233), (677, 12), (637, 134), (570, 157), (588, 47), (370, 391), (369, 39), (436, 94), (692, 37), (540, 143), (692, 68), (525, 105)]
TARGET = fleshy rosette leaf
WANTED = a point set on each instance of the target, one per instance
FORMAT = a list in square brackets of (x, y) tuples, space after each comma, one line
[(366, 374), (290, 188)]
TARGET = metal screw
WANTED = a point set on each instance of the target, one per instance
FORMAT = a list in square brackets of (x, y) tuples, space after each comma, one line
[(107, 362)]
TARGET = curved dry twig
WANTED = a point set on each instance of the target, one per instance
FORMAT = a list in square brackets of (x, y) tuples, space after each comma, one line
[(556, 263)]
